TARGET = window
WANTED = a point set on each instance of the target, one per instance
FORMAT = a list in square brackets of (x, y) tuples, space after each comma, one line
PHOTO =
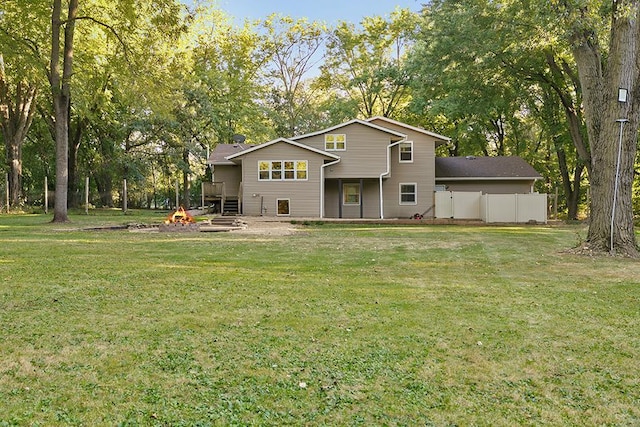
[(335, 142), (282, 170), (406, 152), (351, 194), (282, 206), (408, 194)]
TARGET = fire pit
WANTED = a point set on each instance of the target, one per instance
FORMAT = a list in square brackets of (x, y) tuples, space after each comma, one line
[(180, 220)]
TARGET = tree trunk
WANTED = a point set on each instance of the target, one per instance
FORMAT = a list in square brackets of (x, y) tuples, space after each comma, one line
[(61, 93), (104, 183), (186, 194), (571, 189), (16, 115), (600, 78), (74, 193)]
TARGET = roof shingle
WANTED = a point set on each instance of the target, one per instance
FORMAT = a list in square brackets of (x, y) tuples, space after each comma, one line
[(485, 167)]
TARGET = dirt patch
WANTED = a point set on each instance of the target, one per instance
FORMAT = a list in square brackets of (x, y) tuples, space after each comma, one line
[(264, 226)]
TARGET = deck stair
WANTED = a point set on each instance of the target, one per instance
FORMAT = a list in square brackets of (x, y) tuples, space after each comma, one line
[(230, 206)]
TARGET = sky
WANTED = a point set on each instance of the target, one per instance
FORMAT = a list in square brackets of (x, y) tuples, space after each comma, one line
[(329, 11)]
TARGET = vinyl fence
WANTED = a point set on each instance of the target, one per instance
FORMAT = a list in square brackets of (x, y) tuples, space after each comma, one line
[(514, 208)]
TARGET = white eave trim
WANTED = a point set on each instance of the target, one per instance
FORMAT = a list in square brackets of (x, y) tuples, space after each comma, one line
[(350, 122), (490, 178), (286, 141), (413, 128)]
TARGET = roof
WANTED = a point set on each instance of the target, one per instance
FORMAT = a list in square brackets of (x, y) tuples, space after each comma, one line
[(413, 128), (286, 141), (398, 135), (487, 168), (221, 151)]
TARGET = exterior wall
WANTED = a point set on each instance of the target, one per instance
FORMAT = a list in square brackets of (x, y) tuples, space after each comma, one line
[(490, 187), (370, 199), (231, 176), (421, 171), (365, 155), (259, 197)]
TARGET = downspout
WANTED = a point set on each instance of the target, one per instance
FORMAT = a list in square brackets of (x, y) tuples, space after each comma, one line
[(322, 185), (382, 175)]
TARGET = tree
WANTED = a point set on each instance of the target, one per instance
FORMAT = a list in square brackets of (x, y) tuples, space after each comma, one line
[(295, 47), (60, 80), (493, 70), (612, 125), (367, 65), (17, 108)]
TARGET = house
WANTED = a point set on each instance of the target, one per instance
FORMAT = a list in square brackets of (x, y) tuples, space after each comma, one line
[(374, 168)]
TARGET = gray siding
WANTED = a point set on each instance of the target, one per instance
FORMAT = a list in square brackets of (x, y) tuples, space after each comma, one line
[(365, 156), (304, 196), (370, 200), (421, 171), (231, 176)]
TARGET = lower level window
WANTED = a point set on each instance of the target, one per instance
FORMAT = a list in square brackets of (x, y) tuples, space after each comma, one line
[(408, 193), (283, 206), (351, 194)]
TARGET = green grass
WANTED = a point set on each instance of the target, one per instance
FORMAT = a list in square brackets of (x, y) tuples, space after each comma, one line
[(335, 325)]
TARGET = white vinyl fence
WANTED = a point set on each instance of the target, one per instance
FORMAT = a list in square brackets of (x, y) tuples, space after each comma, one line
[(518, 208)]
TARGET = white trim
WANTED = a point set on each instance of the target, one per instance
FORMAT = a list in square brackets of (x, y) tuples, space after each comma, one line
[(322, 185), (382, 175), (288, 205), (490, 178), (400, 152), (335, 142), (286, 141), (350, 122), (415, 193), (413, 128), (283, 170), (357, 184)]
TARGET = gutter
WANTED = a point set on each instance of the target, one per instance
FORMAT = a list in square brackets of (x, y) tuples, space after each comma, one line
[(322, 185), (387, 173), (489, 178)]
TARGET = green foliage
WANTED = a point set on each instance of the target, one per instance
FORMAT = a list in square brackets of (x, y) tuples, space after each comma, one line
[(366, 65), (295, 48), (508, 85), (228, 71)]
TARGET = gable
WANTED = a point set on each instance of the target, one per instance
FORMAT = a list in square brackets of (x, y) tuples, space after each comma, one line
[(284, 146), (408, 129), (393, 134)]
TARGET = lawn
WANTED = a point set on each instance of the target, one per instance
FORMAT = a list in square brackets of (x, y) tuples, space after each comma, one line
[(335, 325)]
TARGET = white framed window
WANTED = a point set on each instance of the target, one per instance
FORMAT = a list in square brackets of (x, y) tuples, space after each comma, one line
[(282, 207), (335, 142), (408, 193), (406, 152), (350, 193), (282, 170)]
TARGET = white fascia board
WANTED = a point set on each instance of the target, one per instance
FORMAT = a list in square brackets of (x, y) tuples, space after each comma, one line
[(286, 141), (413, 128), (350, 122), (485, 178)]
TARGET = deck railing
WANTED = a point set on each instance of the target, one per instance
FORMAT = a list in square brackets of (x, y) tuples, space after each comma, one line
[(212, 192)]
